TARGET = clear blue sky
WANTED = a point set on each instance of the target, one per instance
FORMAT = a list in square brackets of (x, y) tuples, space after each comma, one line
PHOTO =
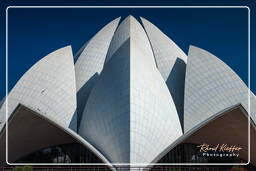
[(33, 33)]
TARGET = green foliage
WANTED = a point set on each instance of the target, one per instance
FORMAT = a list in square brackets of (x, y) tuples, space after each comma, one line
[(27, 168), (17, 168), (23, 168), (237, 168)]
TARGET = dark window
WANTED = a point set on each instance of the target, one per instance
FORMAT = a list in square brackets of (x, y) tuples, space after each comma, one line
[(65, 153)]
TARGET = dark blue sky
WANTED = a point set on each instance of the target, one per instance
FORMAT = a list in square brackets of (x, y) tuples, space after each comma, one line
[(33, 33)]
